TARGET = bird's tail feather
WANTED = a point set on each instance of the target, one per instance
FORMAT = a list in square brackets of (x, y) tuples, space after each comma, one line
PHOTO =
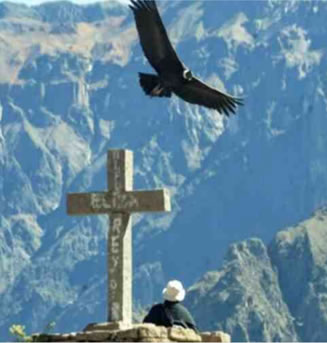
[(152, 87)]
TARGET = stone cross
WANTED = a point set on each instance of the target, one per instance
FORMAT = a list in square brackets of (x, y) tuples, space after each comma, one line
[(119, 202)]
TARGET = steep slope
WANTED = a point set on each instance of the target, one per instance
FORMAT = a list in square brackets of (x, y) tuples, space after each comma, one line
[(275, 293), (300, 256), (243, 297)]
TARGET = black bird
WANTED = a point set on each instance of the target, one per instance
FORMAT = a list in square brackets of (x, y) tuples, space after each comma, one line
[(173, 76)]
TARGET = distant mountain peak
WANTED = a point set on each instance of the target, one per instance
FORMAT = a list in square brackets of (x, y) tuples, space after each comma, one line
[(62, 11), (10, 9), (68, 12)]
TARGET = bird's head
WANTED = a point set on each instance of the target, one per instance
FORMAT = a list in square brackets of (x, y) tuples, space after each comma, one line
[(187, 74)]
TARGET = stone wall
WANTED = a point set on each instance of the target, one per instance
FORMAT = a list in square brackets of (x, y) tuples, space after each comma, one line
[(107, 332)]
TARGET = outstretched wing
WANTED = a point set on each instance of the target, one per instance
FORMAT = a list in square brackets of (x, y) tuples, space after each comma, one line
[(153, 36), (197, 92)]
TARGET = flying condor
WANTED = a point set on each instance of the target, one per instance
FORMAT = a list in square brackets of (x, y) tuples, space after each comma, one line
[(172, 75)]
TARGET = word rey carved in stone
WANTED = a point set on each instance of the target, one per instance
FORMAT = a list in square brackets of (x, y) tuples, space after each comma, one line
[(119, 202)]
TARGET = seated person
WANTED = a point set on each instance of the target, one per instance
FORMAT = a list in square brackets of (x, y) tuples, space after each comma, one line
[(171, 312)]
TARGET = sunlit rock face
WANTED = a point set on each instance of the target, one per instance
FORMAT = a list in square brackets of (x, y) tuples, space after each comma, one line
[(269, 293), (69, 92), (243, 297), (300, 255)]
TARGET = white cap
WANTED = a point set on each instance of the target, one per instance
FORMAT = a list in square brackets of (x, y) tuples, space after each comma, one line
[(174, 291)]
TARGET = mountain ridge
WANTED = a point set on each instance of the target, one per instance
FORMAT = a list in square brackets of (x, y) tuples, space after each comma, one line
[(66, 97), (270, 292)]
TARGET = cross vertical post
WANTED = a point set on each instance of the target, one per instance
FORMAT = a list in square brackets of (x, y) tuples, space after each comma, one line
[(119, 202), (120, 179)]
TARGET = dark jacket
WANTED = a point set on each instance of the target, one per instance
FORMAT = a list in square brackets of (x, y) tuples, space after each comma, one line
[(159, 314)]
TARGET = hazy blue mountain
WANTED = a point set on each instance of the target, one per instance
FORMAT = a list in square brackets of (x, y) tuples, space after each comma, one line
[(69, 92), (243, 298), (300, 256), (274, 293)]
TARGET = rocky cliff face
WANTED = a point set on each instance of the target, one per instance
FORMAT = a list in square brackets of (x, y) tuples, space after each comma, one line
[(275, 293), (243, 297), (69, 93), (300, 256)]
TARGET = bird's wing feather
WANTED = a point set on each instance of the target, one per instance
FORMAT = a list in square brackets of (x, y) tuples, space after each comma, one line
[(153, 36), (197, 92)]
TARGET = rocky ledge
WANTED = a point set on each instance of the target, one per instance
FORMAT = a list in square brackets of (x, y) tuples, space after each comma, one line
[(118, 332)]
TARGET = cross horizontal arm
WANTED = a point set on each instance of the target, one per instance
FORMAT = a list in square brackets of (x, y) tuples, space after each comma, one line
[(151, 201), (113, 202)]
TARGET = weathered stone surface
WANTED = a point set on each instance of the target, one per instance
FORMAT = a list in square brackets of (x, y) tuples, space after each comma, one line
[(108, 326), (95, 336), (151, 331), (104, 332), (179, 334), (128, 335), (82, 337), (142, 325), (64, 337), (67, 337), (217, 336)]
